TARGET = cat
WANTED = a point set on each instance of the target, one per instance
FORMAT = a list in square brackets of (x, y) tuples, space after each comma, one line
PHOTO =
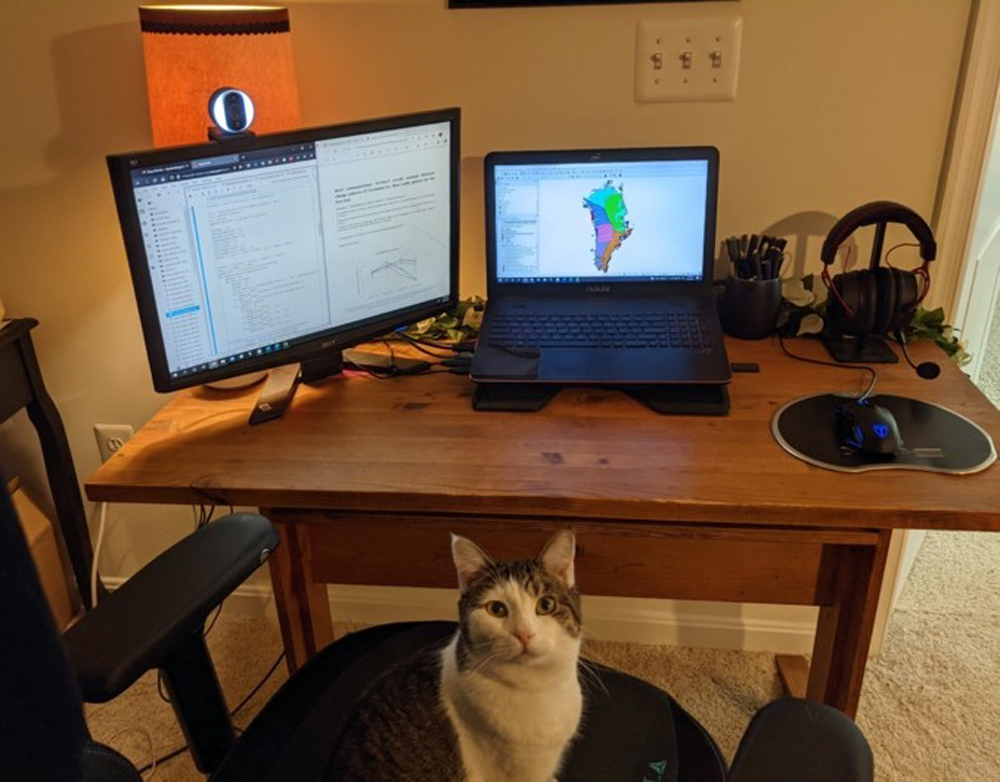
[(501, 702)]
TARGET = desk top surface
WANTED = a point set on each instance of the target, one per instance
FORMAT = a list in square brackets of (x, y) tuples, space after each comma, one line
[(415, 445)]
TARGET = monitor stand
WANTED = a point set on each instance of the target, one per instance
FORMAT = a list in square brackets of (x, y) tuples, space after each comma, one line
[(240, 381), (282, 382)]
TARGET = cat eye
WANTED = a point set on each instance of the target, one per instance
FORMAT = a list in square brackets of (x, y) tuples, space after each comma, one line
[(496, 608), (546, 605)]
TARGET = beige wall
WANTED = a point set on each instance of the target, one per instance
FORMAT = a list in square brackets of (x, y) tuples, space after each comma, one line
[(840, 102)]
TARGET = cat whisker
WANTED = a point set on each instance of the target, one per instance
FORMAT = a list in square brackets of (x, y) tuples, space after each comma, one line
[(588, 673), (491, 655)]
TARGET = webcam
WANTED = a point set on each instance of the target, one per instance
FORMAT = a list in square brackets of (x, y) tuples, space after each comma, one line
[(232, 112)]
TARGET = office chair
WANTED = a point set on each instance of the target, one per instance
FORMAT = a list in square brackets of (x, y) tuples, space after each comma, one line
[(631, 731)]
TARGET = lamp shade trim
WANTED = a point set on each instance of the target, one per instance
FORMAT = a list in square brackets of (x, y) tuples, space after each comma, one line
[(239, 21)]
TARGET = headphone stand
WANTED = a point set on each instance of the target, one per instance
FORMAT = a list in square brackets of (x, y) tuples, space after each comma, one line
[(870, 349), (868, 303)]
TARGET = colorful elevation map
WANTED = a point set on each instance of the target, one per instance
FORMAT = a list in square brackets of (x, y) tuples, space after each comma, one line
[(607, 212)]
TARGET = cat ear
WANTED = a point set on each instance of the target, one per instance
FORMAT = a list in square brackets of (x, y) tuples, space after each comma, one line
[(557, 556), (469, 559)]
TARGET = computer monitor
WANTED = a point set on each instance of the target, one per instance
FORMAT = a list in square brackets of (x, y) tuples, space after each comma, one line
[(263, 251)]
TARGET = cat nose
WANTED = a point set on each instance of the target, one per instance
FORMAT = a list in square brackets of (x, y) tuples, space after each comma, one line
[(524, 636)]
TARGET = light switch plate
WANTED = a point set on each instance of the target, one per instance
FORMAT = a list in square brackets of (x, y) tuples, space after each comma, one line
[(688, 59)]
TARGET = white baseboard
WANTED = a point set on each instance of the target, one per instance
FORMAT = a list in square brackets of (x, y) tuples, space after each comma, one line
[(749, 627)]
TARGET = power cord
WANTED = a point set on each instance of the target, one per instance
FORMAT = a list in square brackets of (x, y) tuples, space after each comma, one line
[(156, 762), (174, 753), (393, 372), (149, 742), (159, 673), (214, 620), (454, 358), (260, 684), (465, 346), (202, 515), (417, 345), (102, 511), (159, 687), (871, 386), (457, 362), (392, 356)]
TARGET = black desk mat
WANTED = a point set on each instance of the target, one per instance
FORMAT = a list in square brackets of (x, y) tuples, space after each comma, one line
[(934, 438)]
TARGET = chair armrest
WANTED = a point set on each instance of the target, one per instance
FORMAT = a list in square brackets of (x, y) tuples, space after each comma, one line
[(134, 628)]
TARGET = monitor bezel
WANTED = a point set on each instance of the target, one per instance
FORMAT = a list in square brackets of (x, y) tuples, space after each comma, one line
[(619, 285), (321, 343)]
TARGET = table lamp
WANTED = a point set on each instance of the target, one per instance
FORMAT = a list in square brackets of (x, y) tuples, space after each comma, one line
[(192, 52)]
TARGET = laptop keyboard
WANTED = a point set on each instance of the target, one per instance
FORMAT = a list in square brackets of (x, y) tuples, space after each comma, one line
[(652, 330)]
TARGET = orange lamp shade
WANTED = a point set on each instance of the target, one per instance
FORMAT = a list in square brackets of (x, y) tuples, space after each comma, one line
[(193, 50)]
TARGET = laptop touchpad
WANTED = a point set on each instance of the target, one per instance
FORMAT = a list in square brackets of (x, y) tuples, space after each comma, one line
[(570, 364)]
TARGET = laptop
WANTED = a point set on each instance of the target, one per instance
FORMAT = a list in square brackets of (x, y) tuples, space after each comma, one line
[(599, 268)]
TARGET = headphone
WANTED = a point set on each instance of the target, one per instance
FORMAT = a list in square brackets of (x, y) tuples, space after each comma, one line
[(876, 300)]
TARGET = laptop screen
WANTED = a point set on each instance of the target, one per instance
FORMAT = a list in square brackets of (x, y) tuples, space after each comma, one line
[(601, 220)]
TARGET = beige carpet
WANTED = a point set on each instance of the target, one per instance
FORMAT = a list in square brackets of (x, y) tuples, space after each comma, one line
[(930, 705)]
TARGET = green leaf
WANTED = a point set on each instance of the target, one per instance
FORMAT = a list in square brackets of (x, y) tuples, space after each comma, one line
[(933, 318)]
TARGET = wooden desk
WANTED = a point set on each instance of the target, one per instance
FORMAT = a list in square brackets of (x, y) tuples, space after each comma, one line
[(364, 479)]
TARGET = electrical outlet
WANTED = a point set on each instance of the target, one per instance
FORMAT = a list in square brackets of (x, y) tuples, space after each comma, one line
[(111, 437), (695, 59)]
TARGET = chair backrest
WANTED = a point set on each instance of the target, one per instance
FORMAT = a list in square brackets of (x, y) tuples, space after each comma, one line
[(42, 731), (23, 388)]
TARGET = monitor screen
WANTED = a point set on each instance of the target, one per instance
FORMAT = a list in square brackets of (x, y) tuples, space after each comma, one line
[(256, 252), (643, 217)]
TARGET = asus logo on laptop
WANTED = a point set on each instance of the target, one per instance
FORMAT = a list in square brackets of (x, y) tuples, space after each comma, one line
[(598, 289)]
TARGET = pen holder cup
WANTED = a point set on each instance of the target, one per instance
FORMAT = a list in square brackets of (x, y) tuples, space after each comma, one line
[(748, 309)]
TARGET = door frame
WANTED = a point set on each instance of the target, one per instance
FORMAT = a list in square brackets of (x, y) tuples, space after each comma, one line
[(969, 138), (955, 209)]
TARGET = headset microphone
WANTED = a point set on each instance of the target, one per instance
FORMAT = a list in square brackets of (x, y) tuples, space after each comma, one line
[(928, 370)]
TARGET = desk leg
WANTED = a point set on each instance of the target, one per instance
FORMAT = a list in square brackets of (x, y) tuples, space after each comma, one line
[(793, 670), (303, 607), (849, 583)]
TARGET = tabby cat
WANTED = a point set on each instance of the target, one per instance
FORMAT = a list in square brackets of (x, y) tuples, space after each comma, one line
[(500, 702)]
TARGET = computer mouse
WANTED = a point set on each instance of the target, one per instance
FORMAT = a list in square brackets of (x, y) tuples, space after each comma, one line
[(865, 426)]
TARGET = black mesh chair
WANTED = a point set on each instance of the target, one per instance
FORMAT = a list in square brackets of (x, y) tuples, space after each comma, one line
[(632, 731)]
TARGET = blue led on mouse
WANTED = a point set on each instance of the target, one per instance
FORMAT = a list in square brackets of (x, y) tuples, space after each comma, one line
[(864, 426)]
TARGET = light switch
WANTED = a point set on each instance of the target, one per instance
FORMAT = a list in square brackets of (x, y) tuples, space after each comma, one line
[(690, 59)]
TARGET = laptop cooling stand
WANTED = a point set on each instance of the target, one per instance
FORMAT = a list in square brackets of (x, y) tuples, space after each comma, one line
[(688, 399)]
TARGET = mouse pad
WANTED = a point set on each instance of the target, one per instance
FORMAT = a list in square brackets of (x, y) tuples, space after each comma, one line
[(934, 438)]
